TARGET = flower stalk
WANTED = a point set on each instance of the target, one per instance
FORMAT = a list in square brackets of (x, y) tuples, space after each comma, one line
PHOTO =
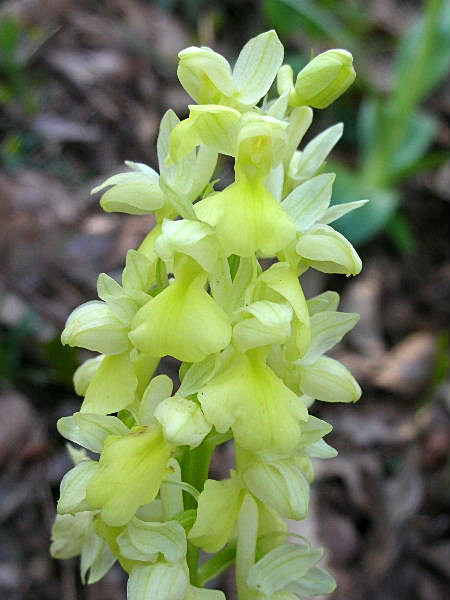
[(252, 348)]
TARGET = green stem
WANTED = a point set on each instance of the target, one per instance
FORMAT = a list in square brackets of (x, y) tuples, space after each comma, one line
[(195, 469), (192, 557)]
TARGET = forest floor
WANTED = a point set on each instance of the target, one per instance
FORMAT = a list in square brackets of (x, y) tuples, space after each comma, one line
[(94, 86)]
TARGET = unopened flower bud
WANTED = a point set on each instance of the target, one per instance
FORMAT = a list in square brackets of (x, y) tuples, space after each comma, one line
[(182, 421), (285, 79), (324, 79)]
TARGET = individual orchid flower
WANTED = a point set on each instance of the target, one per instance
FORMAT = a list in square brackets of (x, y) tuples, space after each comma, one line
[(74, 535), (289, 572), (250, 399), (317, 244), (171, 323), (207, 77), (315, 375), (145, 448), (248, 201), (110, 383), (142, 191)]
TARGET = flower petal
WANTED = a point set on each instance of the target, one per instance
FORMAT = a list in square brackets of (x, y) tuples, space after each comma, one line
[(247, 218), (328, 380), (204, 74), (113, 387), (279, 483), (325, 301), (192, 238), (172, 323), (339, 210), (182, 421), (208, 124), (218, 507), (270, 324), (132, 468), (161, 581), (73, 487)]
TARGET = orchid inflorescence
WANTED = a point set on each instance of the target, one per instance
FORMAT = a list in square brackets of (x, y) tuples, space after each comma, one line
[(252, 348)]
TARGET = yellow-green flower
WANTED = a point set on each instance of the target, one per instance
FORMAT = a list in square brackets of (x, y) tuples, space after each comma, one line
[(173, 322), (249, 398), (131, 469)]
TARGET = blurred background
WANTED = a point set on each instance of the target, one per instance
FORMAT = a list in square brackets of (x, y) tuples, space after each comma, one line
[(83, 86)]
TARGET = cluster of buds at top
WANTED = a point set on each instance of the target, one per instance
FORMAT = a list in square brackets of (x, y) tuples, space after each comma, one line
[(252, 348)]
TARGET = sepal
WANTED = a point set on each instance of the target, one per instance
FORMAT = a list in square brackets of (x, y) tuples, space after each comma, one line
[(95, 326), (72, 497), (96, 558), (134, 193), (339, 210), (327, 329), (328, 380), (209, 124), (138, 272), (85, 373), (328, 251), (68, 534), (195, 593), (90, 430), (278, 482), (314, 582), (268, 323), (282, 279), (205, 75), (321, 449), (159, 388), (113, 386), (308, 202), (257, 66), (282, 566), (161, 581), (145, 541), (313, 430), (328, 300), (305, 164), (298, 124)]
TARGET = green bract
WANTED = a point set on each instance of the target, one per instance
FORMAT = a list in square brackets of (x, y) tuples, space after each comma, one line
[(252, 348)]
